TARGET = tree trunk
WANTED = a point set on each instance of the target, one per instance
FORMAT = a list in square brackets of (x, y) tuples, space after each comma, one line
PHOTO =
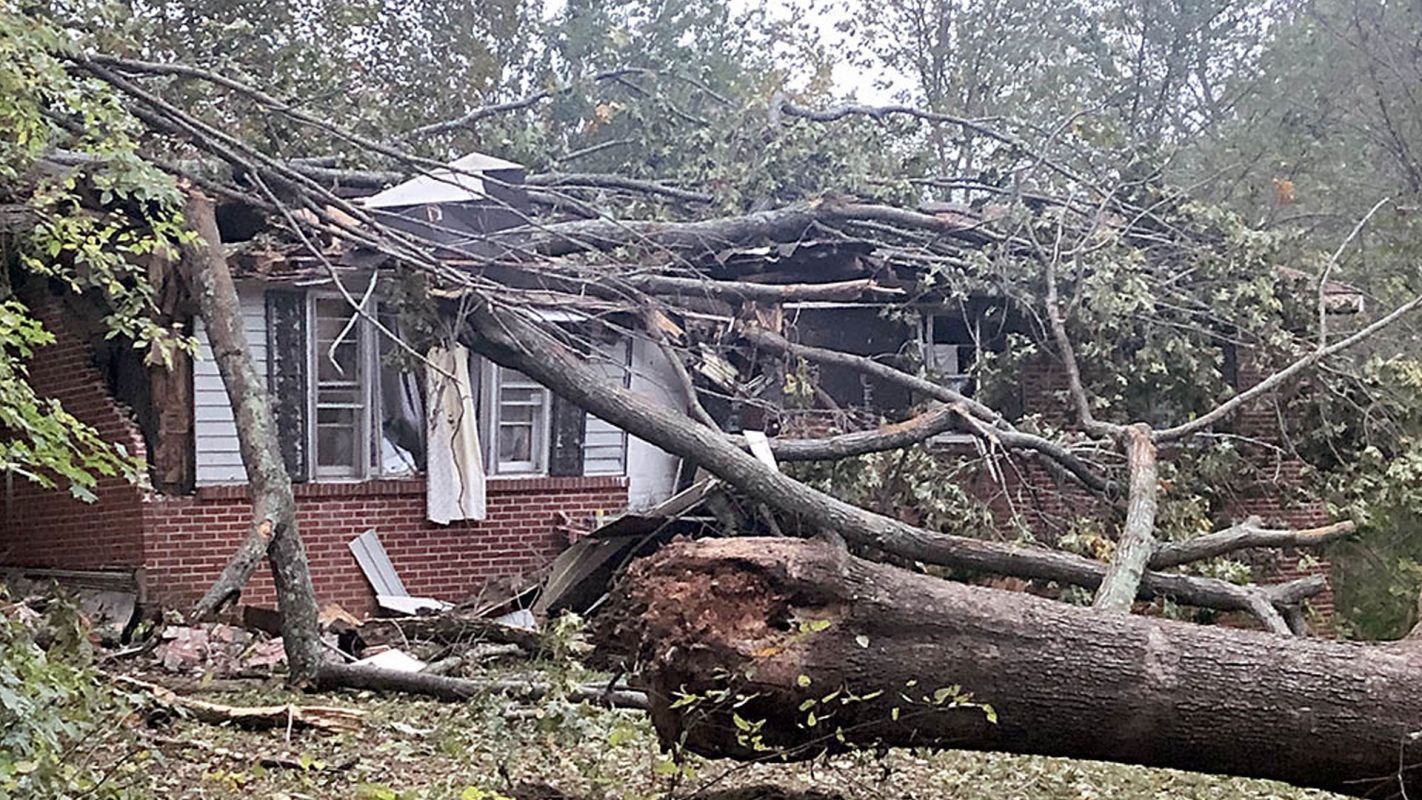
[(273, 530), (509, 340), (873, 653)]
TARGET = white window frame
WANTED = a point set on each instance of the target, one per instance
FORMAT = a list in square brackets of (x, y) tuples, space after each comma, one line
[(366, 364), (490, 383)]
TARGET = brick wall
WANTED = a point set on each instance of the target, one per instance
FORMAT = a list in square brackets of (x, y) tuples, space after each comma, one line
[(188, 538), (183, 541), (47, 527)]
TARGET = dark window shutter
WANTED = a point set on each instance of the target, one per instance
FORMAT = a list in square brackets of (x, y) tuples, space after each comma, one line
[(286, 376), (565, 455)]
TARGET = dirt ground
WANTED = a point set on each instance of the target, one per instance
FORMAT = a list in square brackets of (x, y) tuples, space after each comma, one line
[(493, 748)]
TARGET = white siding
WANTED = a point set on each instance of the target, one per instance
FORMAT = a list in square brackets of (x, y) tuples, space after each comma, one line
[(215, 433), (604, 444)]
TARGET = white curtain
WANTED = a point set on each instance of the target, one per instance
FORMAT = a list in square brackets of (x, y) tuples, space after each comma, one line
[(454, 485)]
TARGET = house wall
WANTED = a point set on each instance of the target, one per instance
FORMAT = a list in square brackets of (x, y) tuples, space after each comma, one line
[(218, 459), (187, 539), (47, 527), (607, 450), (182, 541)]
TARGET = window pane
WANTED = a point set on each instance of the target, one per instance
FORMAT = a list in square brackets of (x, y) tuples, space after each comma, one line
[(520, 435), (335, 446), (400, 443), (341, 392), (515, 443), (342, 365), (519, 414)]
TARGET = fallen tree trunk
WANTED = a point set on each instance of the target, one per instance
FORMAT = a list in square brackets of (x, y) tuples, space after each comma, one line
[(509, 339), (872, 652), (448, 628)]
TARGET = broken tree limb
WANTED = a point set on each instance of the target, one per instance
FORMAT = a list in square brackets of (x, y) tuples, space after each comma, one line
[(586, 180), (709, 236), (324, 718), (273, 530), (894, 436), (656, 324), (508, 338), (768, 292), (993, 423), (349, 676), (448, 628), (1061, 680), (1137, 543), (1243, 536)]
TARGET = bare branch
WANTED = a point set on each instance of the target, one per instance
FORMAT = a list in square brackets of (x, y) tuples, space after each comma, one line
[(997, 428), (606, 181), (1272, 382), (896, 436), (1333, 262), (483, 112), (769, 292), (1243, 536)]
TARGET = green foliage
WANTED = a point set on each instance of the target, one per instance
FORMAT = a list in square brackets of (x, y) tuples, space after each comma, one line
[(55, 711), (915, 484), (94, 227)]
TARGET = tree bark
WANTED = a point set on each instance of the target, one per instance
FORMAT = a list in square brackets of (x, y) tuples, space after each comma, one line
[(893, 436), (1137, 542), (273, 529), (797, 622), (1242, 537), (511, 341)]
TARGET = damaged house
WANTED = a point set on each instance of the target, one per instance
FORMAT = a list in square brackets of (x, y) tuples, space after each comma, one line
[(469, 472)]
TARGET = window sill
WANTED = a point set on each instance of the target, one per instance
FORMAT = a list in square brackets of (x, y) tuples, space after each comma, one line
[(416, 486)]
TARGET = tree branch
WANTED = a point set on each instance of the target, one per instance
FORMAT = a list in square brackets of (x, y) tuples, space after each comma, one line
[(1246, 535), (838, 291), (1272, 382), (1137, 543), (608, 181), (897, 436), (999, 429), (506, 337)]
